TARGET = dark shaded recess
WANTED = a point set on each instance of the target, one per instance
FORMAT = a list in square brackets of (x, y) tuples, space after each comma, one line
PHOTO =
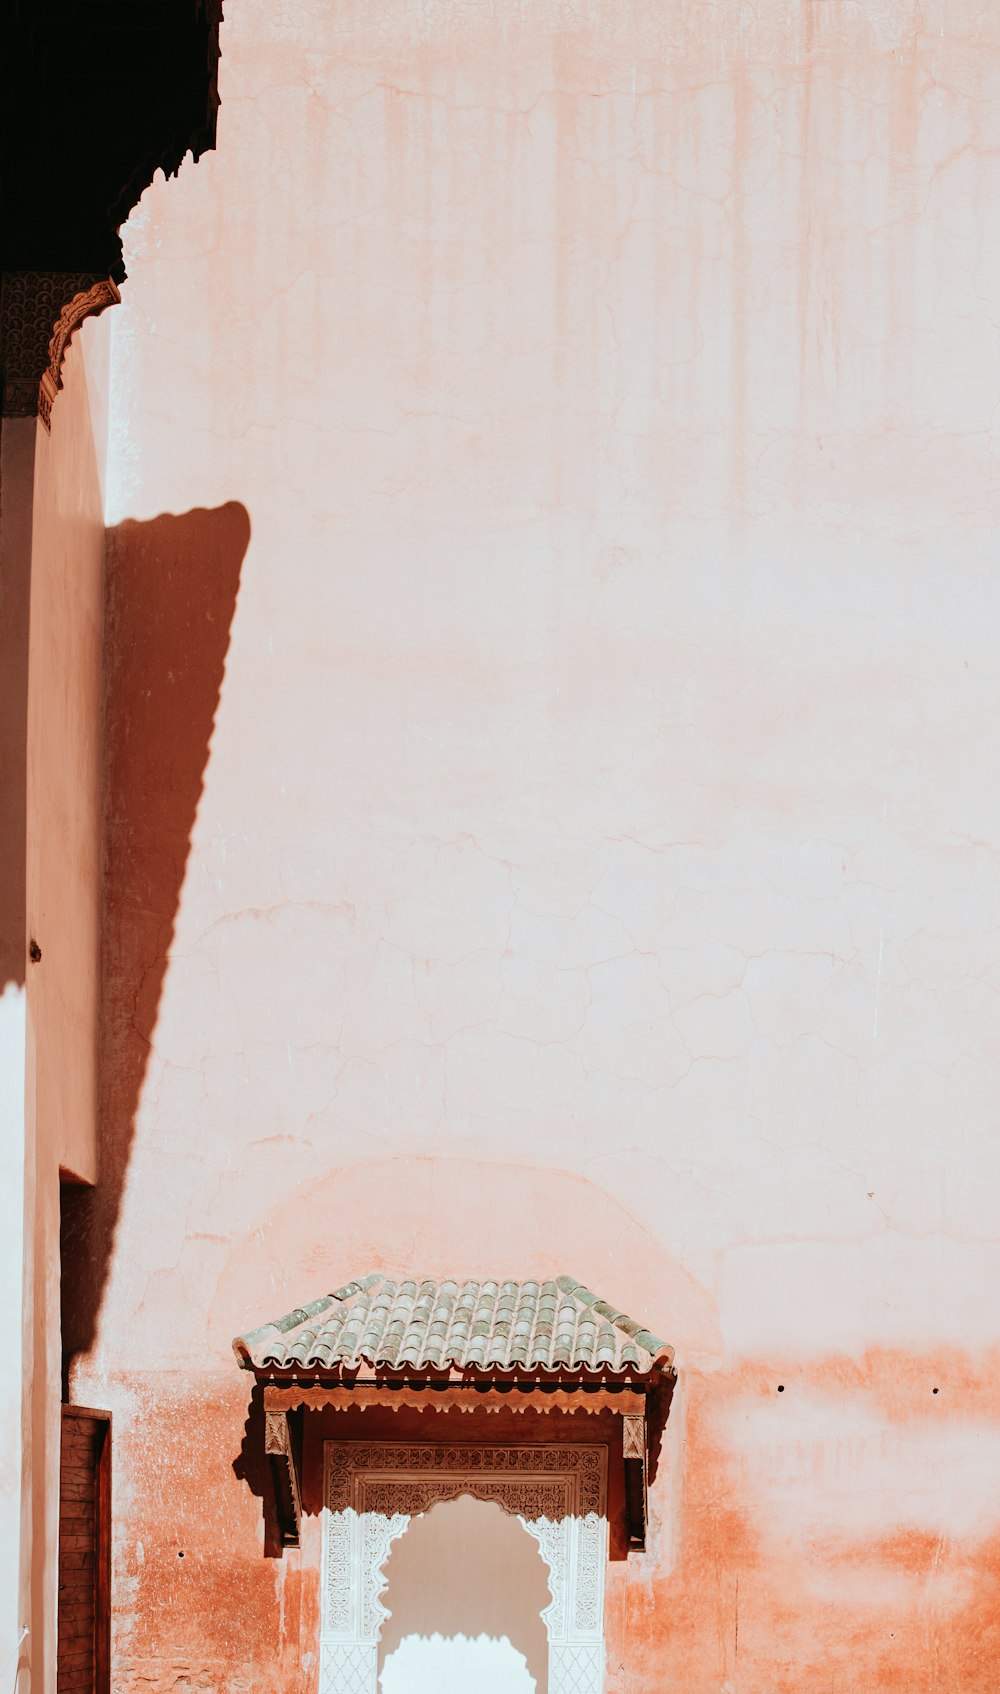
[(251, 1466), (172, 585), (83, 1658), (76, 1211), (98, 94), (658, 1404), (15, 595)]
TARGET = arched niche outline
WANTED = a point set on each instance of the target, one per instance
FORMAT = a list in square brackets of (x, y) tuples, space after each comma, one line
[(371, 1492)]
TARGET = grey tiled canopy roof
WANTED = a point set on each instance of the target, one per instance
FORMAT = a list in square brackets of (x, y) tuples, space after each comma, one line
[(527, 1328)]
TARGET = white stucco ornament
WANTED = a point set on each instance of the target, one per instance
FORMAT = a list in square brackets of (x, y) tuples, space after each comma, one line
[(371, 1492)]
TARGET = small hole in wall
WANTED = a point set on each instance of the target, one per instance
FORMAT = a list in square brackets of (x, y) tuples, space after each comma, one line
[(180, 1555), (935, 1390), (781, 1388)]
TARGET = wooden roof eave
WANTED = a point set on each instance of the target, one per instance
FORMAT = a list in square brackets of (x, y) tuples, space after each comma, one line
[(442, 1395), (543, 1379), (627, 1395)]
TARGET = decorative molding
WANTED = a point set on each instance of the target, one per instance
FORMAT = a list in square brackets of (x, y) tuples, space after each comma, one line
[(88, 303), (348, 1669), (634, 1464), (279, 1448), (457, 1398), (40, 311), (466, 1462), (371, 1492), (577, 1670), (275, 1432), (634, 1437)]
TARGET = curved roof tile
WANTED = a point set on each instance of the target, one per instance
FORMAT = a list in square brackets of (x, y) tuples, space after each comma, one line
[(456, 1325)]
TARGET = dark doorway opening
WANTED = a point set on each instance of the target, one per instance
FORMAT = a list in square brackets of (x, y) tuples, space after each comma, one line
[(84, 1638)]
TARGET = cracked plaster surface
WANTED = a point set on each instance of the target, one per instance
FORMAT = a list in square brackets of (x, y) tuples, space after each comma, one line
[(604, 774)]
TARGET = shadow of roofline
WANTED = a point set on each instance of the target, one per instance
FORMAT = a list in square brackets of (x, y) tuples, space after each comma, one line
[(171, 590)]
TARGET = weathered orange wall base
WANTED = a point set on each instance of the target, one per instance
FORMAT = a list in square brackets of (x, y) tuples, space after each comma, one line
[(739, 1603), (61, 555)]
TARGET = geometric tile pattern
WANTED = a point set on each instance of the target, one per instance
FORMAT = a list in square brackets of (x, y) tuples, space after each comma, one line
[(576, 1670), (347, 1670)]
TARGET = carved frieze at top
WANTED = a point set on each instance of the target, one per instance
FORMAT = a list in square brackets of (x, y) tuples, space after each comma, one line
[(39, 313)]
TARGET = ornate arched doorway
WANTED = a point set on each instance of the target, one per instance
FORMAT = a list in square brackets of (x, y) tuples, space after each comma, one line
[(508, 1364), (372, 1491)]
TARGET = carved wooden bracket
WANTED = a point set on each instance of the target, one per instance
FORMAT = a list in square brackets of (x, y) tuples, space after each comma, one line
[(279, 1447), (634, 1457)]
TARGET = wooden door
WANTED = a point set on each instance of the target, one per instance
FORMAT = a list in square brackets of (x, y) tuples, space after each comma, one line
[(82, 1662)]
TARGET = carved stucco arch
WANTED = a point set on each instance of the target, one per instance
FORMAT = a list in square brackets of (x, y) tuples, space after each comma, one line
[(371, 1492)]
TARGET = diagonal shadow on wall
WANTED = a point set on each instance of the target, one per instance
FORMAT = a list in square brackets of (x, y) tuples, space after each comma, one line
[(172, 585)]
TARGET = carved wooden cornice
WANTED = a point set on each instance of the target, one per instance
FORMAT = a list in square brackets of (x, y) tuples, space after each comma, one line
[(281, 1399), (447, 1397)]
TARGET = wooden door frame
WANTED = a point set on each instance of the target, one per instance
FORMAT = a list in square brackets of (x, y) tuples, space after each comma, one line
[(102, 1522)]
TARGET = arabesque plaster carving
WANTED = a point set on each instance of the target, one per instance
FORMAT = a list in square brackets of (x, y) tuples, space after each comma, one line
[(372, 1491)]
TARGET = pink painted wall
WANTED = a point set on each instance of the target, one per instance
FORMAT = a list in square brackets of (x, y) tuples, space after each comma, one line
[(52, 562), (551, 789), (66, 755), (17, 466)]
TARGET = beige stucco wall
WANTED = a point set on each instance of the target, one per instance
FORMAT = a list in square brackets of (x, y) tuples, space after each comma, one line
[(568, 433), (65, 759)]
